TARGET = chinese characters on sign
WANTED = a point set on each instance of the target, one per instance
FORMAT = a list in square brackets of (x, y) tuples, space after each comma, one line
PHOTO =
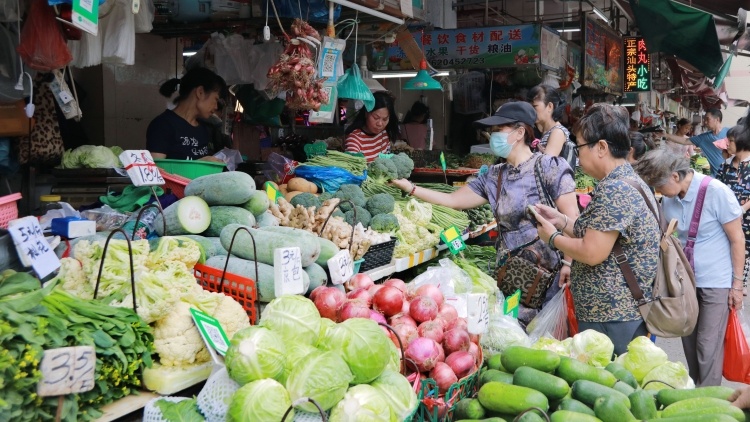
[(637, 65), (32, 247), (141, 168), (341, 267), (67, 370), (287, 266)]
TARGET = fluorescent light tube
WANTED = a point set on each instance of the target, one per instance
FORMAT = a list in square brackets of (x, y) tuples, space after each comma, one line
[(188, 53), (391, 75), (600, 14), (369, 11), (569, 30)]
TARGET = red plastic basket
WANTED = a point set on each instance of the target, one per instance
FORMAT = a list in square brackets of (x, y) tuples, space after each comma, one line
[(241, 289), (8, 208), (175, 183)]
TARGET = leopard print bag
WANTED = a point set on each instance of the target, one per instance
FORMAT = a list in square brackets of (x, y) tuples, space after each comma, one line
[(44, 146)]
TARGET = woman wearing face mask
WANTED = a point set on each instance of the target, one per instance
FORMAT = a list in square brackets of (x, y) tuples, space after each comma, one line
[(372, 132), (511, 138)]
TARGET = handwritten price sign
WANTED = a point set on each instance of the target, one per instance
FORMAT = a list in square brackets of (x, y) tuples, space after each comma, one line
[(141, 168), (341, 267), (479, 313), (32, 247), (287, 268), (67, 370)]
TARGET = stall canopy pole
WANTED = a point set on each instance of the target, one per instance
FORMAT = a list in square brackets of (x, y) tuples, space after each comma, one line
[(369, 11)]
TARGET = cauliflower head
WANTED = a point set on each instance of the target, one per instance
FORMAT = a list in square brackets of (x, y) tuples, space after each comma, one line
[(73, 280), (177, 340)]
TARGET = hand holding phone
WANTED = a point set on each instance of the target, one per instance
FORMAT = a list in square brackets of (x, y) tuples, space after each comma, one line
[(532, 212)]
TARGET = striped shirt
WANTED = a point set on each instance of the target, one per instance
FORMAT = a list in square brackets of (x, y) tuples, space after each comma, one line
[(369, 145)]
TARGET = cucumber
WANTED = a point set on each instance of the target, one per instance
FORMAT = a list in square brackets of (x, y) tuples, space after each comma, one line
[(221, 215), (468, 409), (317, 275), (551, 386), (588, 391), (696, 418), (258, 203), (266, 244), (703, 406), (642, 404), (570, 416), (230, 188), (327, 250), (623, 387), (266, 219), (574, 406), (492, 419), (495, 375), (572, 370), (609, 409), (495, 362), (622, 374), (242, 267), (189, 215), (665, 397), (514, 357), (511, 399), (529, 415)]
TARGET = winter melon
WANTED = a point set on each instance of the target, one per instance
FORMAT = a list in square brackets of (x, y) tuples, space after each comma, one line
[(229, 188)]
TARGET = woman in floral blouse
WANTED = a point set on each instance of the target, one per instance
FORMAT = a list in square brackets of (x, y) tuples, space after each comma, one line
[(735, 173)]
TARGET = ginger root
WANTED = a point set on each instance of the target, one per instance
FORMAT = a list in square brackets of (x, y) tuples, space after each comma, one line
[(323, 212), (302, 218), (282, 211)]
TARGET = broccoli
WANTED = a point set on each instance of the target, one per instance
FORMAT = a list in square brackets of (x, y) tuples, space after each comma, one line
[(380, 203), (352, 193), (363, 216), (305, 199), (325, 196), (382, 170), (384, 223), (404, 165), (337, 213)]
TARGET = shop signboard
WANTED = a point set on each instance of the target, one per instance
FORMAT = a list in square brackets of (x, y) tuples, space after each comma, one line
[(637, 65), (553, 50), (575, 59), (602, 58), (500, 46)]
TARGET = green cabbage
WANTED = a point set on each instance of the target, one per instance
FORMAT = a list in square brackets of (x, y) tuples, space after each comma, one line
[(255, 353), (362, 403), (394, 363), (294, 318), (325, 325), (91, 156), (503, 332), (322, 376), (294, 354), (643, 356), (592, 347), (262, 400), (673, 373), (398, 392), (363, 345), (553, 345)]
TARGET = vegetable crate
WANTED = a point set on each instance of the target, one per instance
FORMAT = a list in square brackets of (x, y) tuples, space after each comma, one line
[(175, 183), (8, 208), (434, 408), (189, 168), (378, 255), (425, 158), (241, 289)]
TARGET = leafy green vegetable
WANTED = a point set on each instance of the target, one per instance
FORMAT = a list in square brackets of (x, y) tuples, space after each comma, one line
[(382, 170), (673, 373), (398, 392), (592, 347), (642, 356), (181, 411), (261, 400), (255, 353), (322, 376), (380, 203), (352, 193), (306, 199), (362, 345), (91, 156), (384, 223), (294, 318), (551, 344), (362, 403)]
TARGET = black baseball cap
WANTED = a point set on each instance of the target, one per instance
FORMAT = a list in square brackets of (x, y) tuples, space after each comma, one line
[(512, 112)]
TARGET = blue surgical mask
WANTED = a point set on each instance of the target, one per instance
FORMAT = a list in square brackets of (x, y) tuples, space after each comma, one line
[(499, 144)]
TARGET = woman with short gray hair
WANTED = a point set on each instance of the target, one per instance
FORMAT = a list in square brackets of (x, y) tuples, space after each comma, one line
[(718, 253)]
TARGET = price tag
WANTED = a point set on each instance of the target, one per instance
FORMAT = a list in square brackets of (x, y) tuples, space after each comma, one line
[(86, 15), (510, 307), (213, 335), (341, 267), (141, 168), (384, 155), (479, 313), (452, 237), (272, 192), (32, 247), (459, 302), (67, 370), (287, 270)]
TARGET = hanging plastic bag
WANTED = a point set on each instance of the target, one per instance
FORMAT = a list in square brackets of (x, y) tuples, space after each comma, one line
[(42, 44), (329, 178), (552, 320), (280, 169), (231, 157), (572, 320), (736, 350), (145, 18), (352, 86), (117, 30)]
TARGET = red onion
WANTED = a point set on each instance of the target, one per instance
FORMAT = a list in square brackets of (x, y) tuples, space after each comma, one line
[(352, 309), (474, 350), (359, 280), (444, 377), (406, 333), (448, 314), (441, 356), (431, 329), (374, 289), (314, 293), (432, 291), (379, 318), (397, 283), (388, 300), (423, 309), (328, 301), (462, 363), (461, 323), (362, 295), (403, 318), (474, 338), (405, 307), (424, 352), (456, 340)]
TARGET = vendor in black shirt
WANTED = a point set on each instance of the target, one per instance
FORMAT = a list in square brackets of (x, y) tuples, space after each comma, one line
[(180, 134)]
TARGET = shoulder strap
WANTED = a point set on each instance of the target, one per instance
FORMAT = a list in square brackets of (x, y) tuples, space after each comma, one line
[(695, 221), (544, 195), (655, 211)]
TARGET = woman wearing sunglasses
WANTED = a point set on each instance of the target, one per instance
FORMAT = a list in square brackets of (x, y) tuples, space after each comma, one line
[(521, 183), (601, 296)]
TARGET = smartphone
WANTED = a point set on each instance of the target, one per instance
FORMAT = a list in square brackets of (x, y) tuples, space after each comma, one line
[(532, 212)]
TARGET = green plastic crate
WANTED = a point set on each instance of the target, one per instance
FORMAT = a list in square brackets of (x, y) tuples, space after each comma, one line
[(189, 168), (465, 387)]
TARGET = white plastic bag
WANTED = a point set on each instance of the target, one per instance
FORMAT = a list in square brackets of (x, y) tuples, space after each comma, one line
[(118, 32), (145, 17), (552, 320), (502, 332), (231, 157)]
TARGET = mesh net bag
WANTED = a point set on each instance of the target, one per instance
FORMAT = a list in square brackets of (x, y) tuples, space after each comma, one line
[(151, 412), (216, 395)]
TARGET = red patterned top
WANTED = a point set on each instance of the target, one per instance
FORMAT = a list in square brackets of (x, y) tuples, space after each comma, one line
[(369, 145)]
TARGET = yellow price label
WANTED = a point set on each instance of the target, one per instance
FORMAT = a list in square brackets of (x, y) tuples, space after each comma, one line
[(450, 234), (271, 192), (511, 304)]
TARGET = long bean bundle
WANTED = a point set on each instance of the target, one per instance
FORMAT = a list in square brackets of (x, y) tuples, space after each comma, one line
[(446, 217), (351, 163)]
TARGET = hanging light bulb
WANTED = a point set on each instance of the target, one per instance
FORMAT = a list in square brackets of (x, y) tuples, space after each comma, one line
[(423, 80)]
